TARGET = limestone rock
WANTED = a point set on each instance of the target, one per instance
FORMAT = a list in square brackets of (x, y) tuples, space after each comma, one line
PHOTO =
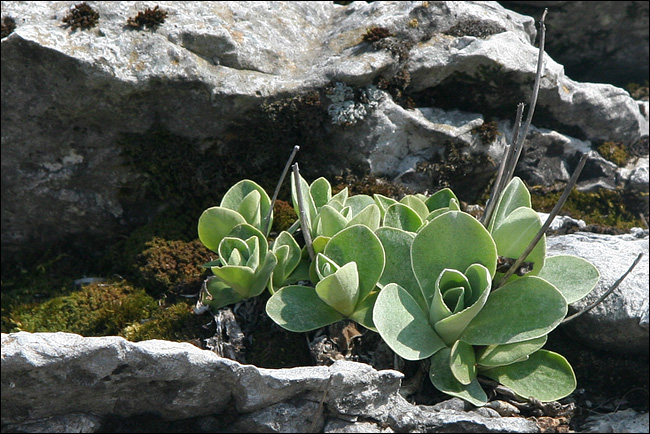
[(104, 128), (52, 382), (620, 322)]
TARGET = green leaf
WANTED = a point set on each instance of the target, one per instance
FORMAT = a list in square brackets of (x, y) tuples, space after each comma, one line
[(403, 217), (369, 216), (359, 244), (364, 311), (244, 231), (521, 310), (416, 205), (574, 277), (340, 289), (440, 199), (215, 223), (237, 277), (545, 375), (463, 362), (397, 246), (453, 240), (403, 325), (249, 208), (329, 222), (321, 192), (358, 203), (444, 380), (515, 195), (220, 294), (291, 259), (237, 193), (499, 355), (450, 327), (513, 236), (230, 250), (310, 207), (299, 309), (383, 203)]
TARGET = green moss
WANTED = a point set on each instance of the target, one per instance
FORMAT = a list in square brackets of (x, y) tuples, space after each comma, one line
[(95, 310), (172, 266), (606, 207), (614, 152), (174, 323), (283, 216), (638, 91)]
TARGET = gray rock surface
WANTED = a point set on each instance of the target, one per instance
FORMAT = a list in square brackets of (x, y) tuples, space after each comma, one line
[(620, 421), (58, 382), (104, 128), (620, 322)]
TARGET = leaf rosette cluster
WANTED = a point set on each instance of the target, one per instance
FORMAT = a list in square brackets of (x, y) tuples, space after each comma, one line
[(428, 277)]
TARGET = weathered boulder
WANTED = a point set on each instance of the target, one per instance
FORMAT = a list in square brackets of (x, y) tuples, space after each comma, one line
[(103, 128), (620, 322), (58, 382)]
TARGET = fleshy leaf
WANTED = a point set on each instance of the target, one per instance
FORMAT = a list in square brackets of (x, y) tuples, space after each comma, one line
[(499, 355), (545, 375), (215, 223), (397, 245), (364, 310), (340, 290), (359, 244), (249, 208), (403, 217), (451, 327), (220, 294), (416, 205), (513, 236), (329, 222), (463, 362), (299, 309), (444, 380), (236, 195), (515, 195), (521, 310), (574, 277), (383, 203), (237, 277), (403, 325), (440, 199), (321, 192), (369, 216), (452, 240)]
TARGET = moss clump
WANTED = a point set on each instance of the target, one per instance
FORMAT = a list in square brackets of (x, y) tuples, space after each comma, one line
[(614, 152), (82, 16), (150, 18), (172, 266), (95, 310), (174, 323), (374, 34), (369, 185), (609, 208), (283, 216), (172, 224), (638, 91), (488, 132)]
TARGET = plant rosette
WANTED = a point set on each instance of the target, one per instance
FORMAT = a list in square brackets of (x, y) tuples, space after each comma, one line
[(449, 311)]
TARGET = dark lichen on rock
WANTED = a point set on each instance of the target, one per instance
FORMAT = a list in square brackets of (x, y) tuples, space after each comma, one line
[(81, 16)]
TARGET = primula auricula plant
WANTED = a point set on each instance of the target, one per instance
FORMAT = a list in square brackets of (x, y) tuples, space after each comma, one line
[(477, 299), (425, 275)]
